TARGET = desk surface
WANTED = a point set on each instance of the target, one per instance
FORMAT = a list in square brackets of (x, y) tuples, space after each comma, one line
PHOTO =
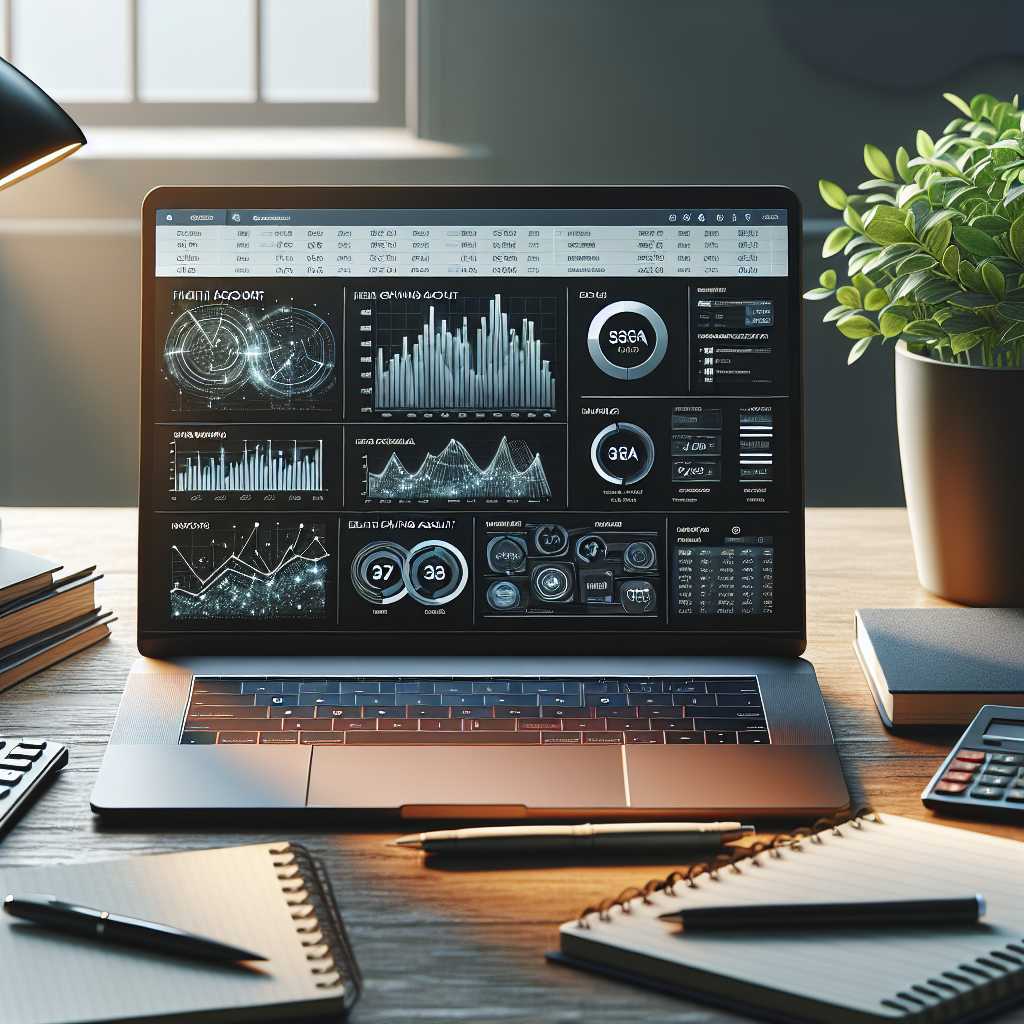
[(456, 945)]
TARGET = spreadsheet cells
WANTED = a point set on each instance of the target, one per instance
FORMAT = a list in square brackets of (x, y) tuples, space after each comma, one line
[(453, 365), (514, 473), (213, 351), (273, 572)]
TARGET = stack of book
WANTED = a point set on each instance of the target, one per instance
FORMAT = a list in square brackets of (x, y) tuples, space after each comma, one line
[(44, 619)]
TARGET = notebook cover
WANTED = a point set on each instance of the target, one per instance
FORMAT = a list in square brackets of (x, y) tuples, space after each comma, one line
[(19, 567), (948, 650), (269, 898), (21, 660)]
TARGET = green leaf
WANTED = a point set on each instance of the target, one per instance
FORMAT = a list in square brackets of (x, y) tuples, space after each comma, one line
[(833, 194), (834, 314), (903, 165), (871, 183), (1017, 236), (857, 326), (905, 287), (955, 125), (828, 279), (924, 328), (970, 276), (935, 290), (849, 297), (994, 280), (982, 105), (1014, 193), (976, 242), (951, 262), (958, 103), (863, 283), (818, 293), (937, 238), (835, 241), (891, 324), (1011, 310), (964, 323), (1013, 333), (924, 144), (878, 163), (991, 224), (852, 217), (887, 226), (921, 261), (971, 300), (963, 342), (857, 351), (876, 299)]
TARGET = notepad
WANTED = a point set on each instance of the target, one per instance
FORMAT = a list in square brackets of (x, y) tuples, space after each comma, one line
[(941, 976), (271, 898)]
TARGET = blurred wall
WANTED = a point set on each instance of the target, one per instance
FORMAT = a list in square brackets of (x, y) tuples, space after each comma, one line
[(570, 91)]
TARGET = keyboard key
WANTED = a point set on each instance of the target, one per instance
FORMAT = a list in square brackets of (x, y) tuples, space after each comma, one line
[(17, 764), (634, 725), (983, 792), (1015, 796), (444, 724), (10, 778), (295, 712), (610, 700), (642, 686), (373, 700), (226, 699), (238, 737), (663, 712), (491, 724), (591, 724), (359, 686), (950, 787), (548, 686), (492, 687), (644, 699), (463, 700), (618, 712), (718, 736), (349, 724), (564, 700), (575, 713), (674, 724), (977, 756), (309, 724), (279, 737), (739, 700), (323, 711), (415, 711), (222, 686), (645, 737), (454, 738), (448, 686), (507, 712), (423, 700), (251, 687), (732, 686), (948, 776), (753, 737), (997, 781), (513, 700), (200, 714), (684, 686), (568, 738), (413, 686), (694, 700), (720, 724), (598, 736), (385, 712), (599, 686), (472, 712), (195, 738), (271, 699), (326, 738), (996, 758), (397, 725), (684, 737), (540, 724), (320, 686)]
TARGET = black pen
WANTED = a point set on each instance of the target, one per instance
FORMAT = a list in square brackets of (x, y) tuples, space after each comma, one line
[(915, 913), (107, 927)]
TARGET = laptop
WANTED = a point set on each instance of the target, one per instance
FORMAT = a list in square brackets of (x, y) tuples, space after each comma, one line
[(472, 502)]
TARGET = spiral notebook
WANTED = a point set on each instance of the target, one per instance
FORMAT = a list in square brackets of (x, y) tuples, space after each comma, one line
[(847, 976), (273, 899)]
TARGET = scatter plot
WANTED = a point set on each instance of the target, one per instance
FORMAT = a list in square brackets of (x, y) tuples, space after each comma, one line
[(251, 571)]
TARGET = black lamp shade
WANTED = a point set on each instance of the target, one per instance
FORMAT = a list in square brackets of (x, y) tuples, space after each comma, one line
[(35, 131)]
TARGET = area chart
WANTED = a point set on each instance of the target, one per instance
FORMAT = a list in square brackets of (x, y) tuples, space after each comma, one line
[(458, 366), (249, 465)]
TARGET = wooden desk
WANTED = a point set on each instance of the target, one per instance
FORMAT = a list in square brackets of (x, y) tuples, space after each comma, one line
[(444, 945)]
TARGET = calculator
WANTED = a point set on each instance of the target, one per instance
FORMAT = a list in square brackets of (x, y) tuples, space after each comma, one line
[(984, 773), (27, 766)]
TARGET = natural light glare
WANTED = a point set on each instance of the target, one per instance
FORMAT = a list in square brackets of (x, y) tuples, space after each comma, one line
[(319, 51), (79, 51), (196, 51)]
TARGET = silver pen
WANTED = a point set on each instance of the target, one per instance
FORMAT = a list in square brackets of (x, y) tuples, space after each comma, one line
[(653, 836)]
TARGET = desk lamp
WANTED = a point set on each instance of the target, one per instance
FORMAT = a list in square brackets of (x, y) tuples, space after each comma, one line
[(36, 132)]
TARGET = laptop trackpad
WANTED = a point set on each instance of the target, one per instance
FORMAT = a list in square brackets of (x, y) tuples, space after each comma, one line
[(397, 776)]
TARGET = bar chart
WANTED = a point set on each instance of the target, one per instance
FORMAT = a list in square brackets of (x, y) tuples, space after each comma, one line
[(248, 465), (498, 359)]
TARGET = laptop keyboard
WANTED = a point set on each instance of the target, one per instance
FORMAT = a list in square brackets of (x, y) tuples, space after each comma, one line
[(569, 710)]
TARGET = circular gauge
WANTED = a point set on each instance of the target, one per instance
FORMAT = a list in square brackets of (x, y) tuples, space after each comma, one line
[(639, 555), (591, 548), (622, 453), (294, 355), (550, 539), (638, 597), (503, 596), (377, 572), (435, 572), (552, 582), (206, 350), (627, 340), (506, 554)]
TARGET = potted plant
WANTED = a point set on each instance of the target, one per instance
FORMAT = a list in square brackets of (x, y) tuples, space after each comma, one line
[(936, 263)]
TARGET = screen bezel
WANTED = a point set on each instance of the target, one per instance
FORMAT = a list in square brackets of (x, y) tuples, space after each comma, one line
[(163, 643)]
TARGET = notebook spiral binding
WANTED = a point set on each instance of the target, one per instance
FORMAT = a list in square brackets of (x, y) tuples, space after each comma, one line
[(1000, 975), (307, 890)]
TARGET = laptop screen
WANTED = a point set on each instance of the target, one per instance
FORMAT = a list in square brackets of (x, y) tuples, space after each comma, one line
[(471, 420)]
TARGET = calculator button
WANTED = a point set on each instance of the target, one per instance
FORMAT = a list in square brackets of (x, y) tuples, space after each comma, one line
[(950, 787), (1015, 796), (971, 755), (16, 763), (1001, 769), (34, 744), (985, 793), (956, 776), (1008, 758), (9, 778), (963, 766), (994, 780), (28, 753)]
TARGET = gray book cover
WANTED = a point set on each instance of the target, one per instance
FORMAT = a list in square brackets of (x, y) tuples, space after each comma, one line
[(948, 650)]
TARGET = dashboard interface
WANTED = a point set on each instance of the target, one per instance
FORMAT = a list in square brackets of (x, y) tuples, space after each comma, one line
[(517, 427)]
